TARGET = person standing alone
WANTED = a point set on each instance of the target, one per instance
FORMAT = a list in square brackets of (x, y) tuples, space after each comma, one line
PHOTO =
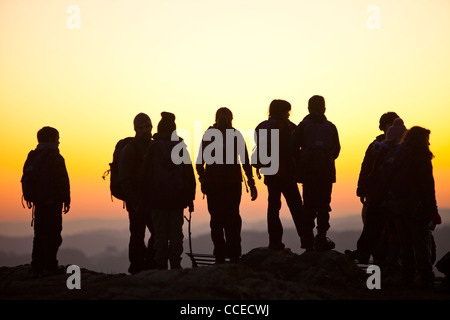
[(46, 189)]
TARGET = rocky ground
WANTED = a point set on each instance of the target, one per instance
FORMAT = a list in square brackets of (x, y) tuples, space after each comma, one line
[(262, 274)]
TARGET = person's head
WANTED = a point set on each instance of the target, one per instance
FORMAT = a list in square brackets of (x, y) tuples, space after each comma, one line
[(142, 125), (386, 120), (48, 135), (224, 118), (395, 132), (316, 105), (279, 109), (418, 138), (167, 123)]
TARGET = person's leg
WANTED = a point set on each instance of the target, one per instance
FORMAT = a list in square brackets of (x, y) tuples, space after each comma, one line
[(150, 253), (294, 202), (274, 226), (323, 208), (308, 217), (215, 208), (47, 238), (371, 232), (175, 237), (40, 239), (322, 205), (407, 249), (54, 235), (160, 221), (422, 249), (233, 221), (136, 247)]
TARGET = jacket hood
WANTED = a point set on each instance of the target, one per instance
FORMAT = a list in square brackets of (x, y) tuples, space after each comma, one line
[(46, 146), (316, 117)]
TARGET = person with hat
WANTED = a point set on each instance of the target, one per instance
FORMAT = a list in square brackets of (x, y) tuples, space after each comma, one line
[(170, 187), (139, 210)]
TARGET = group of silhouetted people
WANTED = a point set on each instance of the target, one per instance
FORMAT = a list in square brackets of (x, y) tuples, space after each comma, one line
[(396, 188), (395, 185)]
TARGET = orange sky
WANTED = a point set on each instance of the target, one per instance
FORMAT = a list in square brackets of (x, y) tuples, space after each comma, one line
[(191, 57)]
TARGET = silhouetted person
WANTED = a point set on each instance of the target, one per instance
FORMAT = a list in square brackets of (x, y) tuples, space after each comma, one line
[(283, 181), (412, 203), (139, 209), (221, 181), (51, 196), (378, 229), (317, 141), (170, 189), (385, 122)]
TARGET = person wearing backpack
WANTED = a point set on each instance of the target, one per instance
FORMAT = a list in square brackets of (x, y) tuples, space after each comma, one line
[(316, 145), (283, 181), (46, 190), (131, 159), (170, 187), (221, 181)]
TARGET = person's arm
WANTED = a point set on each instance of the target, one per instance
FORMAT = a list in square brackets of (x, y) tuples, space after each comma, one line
[(366, 167), (200, 167), (336, 143), (426, 184), (62, 182), (248, 171)]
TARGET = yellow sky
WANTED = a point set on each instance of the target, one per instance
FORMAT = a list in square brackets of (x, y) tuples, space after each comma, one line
[(191, 57)]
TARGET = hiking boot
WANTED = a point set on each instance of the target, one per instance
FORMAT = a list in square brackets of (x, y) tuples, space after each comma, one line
[(356, 255), (323, 244)]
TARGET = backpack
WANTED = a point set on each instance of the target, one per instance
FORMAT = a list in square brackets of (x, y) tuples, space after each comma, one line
[(35, 172), (115, 187), (316, 162), (167, 176)]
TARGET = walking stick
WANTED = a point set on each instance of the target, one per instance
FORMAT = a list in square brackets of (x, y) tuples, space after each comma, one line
[(191, 255)]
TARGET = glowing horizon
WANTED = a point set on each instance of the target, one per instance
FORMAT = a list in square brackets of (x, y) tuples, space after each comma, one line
[(192, 57)]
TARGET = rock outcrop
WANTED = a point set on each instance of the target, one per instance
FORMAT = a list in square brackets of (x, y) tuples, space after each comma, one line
[(262, 274)]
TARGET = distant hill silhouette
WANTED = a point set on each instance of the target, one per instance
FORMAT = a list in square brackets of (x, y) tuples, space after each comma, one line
[(107, 250)]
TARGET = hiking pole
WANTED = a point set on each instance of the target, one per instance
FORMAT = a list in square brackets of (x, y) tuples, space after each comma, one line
[(191, 255)]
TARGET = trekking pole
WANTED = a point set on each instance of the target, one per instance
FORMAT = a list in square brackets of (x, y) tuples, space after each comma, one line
[(191, 255)]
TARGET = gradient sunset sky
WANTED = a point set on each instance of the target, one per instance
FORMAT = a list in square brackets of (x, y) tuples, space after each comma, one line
[(191, 57)]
